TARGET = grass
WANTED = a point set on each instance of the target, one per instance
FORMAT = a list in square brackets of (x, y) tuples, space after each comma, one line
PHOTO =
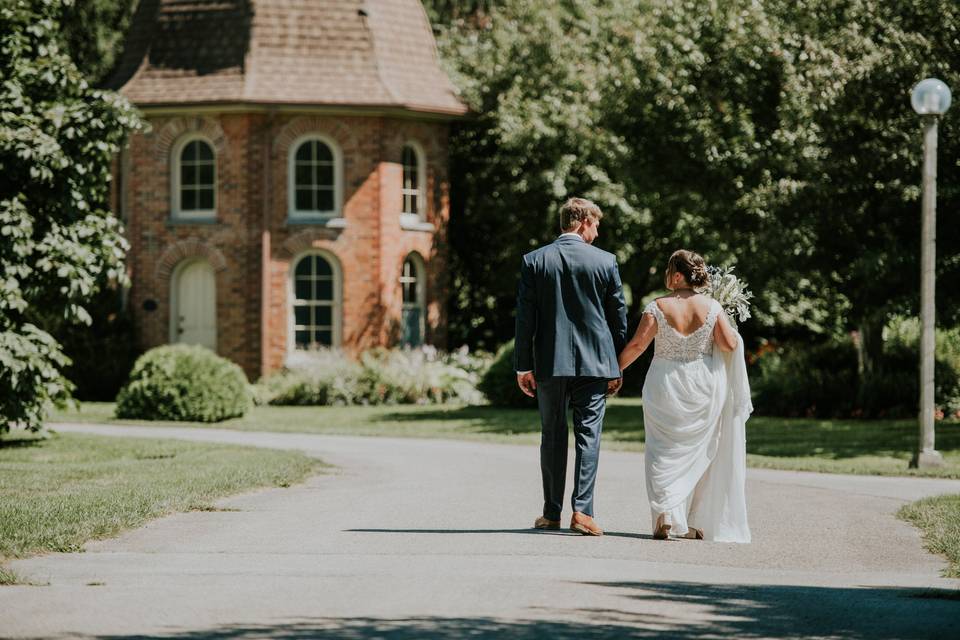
[(58, 492), (938, 519), (877, 447)]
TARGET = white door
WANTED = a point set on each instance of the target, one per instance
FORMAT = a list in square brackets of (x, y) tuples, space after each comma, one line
[(195, 305)]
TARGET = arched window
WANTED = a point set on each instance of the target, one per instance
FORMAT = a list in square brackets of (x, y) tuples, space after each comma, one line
[(315, 178), (316, 302), (413, 181), (194, 179), (413, 285)]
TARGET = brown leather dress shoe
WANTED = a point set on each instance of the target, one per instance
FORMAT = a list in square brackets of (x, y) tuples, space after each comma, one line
[(584, 524), (543, 523)]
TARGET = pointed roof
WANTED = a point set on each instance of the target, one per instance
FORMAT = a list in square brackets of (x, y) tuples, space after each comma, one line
[(356, 53)]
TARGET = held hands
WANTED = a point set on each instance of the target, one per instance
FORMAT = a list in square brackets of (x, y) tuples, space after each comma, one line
[(527, 383), (613, 386)]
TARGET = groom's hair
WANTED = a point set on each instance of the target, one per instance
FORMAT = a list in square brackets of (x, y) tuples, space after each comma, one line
[(575, 210)]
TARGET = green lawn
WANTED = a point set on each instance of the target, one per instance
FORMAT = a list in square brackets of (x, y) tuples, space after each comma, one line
[(832, 446), (56, 493), (938, 519)]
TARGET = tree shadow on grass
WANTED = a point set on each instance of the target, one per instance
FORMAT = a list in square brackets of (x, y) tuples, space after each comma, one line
[(625, 422), (19, 443), (838, 439), (678, 610), (767, 436)]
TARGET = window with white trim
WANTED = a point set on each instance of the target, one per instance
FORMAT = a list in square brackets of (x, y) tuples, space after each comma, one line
[(316, 303), (194, 179), (412, 193), (315, 178)]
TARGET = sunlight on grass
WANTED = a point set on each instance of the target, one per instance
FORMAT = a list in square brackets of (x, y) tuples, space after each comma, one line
[(59, 492), (938, 519), (830, 446)]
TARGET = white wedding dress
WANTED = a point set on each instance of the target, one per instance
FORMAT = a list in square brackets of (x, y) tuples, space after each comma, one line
[(696, 401)]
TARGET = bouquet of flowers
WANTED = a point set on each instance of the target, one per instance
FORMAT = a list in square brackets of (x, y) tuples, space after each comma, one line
[(730, 292)]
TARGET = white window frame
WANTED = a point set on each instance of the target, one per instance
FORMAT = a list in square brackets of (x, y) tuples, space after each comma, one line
[(297, 214), (175, 196), (336, 307), (409, 217), (420, 268)]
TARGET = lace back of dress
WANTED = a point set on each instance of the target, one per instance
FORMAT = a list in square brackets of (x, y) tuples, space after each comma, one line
[(673, 345)]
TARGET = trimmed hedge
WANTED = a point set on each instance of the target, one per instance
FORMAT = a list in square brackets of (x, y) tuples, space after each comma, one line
[(184, 382), (499, 382)]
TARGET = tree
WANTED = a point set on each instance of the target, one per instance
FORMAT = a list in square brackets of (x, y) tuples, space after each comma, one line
[(57, 140), (775, 136), (92, 32), (445, 12)]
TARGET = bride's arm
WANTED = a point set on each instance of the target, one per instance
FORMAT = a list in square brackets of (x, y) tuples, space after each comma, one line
[(646, 331), (724, 335)]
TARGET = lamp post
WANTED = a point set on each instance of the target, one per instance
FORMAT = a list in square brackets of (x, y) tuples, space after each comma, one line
[(930, 99)]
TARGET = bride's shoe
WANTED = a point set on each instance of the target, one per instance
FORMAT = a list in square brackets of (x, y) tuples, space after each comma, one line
[(662, 530), (694, 534)]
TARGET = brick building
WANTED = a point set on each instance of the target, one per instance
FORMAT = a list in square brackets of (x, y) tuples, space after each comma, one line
[(293, 189)]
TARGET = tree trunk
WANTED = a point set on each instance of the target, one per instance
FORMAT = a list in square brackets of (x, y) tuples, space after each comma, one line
[(870, 345)]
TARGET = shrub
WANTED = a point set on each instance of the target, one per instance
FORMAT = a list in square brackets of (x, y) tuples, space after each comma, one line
[(499, 381), (318, 377), (822, 380), (818, 380), (419, 376), (894, 390), (382, 376), (102, 354), (183, 382)]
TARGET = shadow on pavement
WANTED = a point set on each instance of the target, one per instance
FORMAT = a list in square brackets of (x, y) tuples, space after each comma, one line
[(537, 532), (657, 610)]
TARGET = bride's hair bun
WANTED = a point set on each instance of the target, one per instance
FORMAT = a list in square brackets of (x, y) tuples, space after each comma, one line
[(691, 265)]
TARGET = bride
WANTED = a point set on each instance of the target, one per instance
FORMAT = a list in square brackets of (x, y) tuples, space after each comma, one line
[(696, 400)]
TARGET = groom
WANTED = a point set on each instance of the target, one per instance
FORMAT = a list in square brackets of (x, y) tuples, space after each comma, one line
[(571, 324)]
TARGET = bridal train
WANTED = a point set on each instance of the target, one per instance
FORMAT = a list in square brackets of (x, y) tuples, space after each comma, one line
[(696, 400)]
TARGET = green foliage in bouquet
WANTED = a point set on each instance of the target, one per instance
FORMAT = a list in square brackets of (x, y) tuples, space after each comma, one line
[(184, 383), (58, 241)]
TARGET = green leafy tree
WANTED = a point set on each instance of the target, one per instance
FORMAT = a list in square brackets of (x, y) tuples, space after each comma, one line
[(92, 33), (57, 238), (775, 136), (445, 12)]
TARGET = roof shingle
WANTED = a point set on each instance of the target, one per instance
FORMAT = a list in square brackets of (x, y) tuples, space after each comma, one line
[(368, 53)]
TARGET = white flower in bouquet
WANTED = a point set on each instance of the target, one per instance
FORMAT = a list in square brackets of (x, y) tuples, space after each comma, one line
[(730, 292)]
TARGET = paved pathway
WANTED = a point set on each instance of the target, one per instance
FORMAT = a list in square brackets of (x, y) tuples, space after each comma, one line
[(429, 539)]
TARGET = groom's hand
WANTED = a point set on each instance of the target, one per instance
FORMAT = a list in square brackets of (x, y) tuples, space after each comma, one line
[(527, 383), (614, 385)]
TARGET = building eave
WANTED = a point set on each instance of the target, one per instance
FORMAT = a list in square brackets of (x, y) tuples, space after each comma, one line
[(159, 109)]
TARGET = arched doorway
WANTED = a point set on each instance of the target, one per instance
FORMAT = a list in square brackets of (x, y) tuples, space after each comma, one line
[(413, 286), (193, 308)]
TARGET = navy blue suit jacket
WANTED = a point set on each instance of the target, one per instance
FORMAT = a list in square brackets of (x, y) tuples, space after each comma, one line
[(571, 315)]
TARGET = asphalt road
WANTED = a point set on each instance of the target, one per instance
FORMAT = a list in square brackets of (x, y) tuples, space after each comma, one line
[(430, 539)]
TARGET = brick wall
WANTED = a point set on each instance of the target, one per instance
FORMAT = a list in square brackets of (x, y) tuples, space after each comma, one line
[(252, 222)]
